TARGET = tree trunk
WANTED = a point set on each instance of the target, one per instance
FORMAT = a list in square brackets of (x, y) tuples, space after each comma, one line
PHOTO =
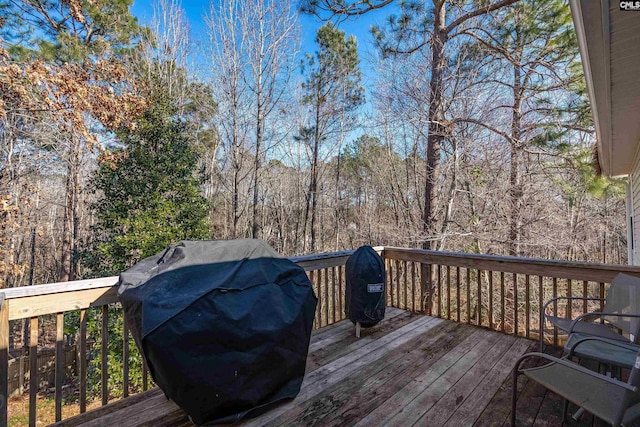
[(256, 162), (313, 184), (338, 201), (313, 193), (72, 187), (515, 189), (436, 128)]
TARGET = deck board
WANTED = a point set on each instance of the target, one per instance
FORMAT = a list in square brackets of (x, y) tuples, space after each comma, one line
[(407, 370), (428, 389), (350, 400)]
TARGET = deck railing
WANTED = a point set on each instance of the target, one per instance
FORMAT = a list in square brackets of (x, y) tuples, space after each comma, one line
[(500, 293), (51, 304)]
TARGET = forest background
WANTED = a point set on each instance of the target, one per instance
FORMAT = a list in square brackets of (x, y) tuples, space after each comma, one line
[(465, 128)]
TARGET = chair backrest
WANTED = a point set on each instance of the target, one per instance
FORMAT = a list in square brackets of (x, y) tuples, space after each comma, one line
[(623, 297)]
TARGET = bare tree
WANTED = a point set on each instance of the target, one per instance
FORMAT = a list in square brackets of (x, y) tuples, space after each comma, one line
[(271, 34), (228, 71), (165, 52), (253, 46), (332, 92), (409, 33)]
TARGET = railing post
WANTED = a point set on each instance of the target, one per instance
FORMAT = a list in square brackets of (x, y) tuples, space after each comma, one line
[(4, 360)]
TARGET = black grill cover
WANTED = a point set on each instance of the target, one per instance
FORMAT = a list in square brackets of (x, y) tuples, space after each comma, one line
[(224, 326), (365, 292)]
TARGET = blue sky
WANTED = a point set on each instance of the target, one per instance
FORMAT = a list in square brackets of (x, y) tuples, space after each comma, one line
[(143, 10), (360, 28)]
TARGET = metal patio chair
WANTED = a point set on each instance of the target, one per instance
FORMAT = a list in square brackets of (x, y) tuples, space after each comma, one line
[(609, 399), (621, 311), (611, 353)]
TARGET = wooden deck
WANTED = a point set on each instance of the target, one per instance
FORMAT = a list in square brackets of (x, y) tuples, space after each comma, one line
[(407, 370)]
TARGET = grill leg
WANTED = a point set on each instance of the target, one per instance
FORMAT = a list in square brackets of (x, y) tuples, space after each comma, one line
[(357, 329)]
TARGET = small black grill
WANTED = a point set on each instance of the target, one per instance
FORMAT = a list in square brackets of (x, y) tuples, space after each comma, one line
[(365, 291)]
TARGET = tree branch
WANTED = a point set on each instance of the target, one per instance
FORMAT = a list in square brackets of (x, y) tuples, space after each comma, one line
[(478, 12)]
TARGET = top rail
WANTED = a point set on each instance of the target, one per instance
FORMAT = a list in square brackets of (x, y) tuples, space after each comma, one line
[(39, 300), (573, 270)]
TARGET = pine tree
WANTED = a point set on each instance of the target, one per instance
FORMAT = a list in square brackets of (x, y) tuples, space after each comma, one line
[(333, 93)]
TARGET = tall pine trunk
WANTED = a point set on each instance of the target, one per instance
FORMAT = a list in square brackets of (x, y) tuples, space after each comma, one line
[(436, 129), (515, 189)]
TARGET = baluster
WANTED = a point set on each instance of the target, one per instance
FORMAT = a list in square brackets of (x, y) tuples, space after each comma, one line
[(569, 302), (398, 287), (502, 305), (555, 309), (316, 321), (33, 370), (145, 375), (60, 364), (479, 302), (458, 293), (490, 313), (468, 296), (540, 306), (527, 305), (82, 371), (515, 304), (125, 358), (439, 291), (325, 272), (334, 294), (4, 359), (391, 284), (426, 287), (406, 285), (104, 360), (342, 285), (448, 292), (413, 286)]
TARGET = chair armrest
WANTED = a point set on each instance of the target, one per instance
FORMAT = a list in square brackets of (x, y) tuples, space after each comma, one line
[(575, 367), (599, 314), (614, 343), (543, 311)]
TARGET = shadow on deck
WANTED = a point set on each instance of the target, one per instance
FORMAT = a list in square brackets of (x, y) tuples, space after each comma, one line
[(408, 370)]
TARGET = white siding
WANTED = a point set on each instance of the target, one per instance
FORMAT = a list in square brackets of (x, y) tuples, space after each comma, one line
[(634, 215)]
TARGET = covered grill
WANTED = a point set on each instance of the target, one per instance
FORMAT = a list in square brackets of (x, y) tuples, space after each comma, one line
[(224, 326), (365, 291)]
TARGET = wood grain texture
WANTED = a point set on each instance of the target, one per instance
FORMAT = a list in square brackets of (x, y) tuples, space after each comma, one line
[(410, 403), (337, 332), (337, 370), (407, 370), (352, 399), (40, 305), (574, 270)]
